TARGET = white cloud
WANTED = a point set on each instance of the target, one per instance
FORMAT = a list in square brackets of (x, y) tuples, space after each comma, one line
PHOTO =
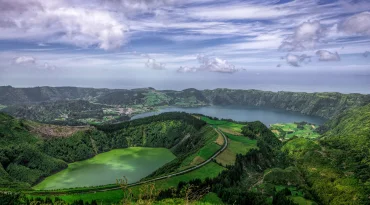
[(58, 21), (185, 69), (356, 24), (305, 36), (133, 6), (42, 44), (327, 56), (292, 60), (153, 64), (215, 64), (47, 66), (24, 60), (236, 11), (32, 62), (211, 64), (295, 60)]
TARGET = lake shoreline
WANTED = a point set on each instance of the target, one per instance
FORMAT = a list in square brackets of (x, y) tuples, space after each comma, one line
[(239, 113)]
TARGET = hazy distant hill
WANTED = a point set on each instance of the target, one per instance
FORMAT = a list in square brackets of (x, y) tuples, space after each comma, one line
[(10, 95), (324, 105)]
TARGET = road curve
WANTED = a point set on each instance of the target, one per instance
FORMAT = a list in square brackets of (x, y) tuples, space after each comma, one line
[(158, 178)]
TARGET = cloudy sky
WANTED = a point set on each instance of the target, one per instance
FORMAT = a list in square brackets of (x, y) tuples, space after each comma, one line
[(299, 45)]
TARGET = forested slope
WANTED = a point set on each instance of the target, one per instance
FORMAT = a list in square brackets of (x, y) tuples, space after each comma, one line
[(331, 170), (349, 134), (26, 157), (10, 95), (337, 166), (326, 105)]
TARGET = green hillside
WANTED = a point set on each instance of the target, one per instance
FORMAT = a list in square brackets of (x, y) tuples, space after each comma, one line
[(26, 156), (256, 168), (349, 135), (325, 105), (337, 166)]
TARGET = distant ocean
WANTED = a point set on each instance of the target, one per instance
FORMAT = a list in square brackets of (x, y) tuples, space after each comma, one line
[(298, 82)]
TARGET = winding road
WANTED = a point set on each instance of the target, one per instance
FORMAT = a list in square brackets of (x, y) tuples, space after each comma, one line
[(155, 179)]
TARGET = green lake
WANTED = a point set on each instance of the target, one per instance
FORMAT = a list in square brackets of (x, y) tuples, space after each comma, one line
[(134, 163)]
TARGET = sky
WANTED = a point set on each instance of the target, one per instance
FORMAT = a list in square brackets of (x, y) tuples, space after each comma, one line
[(293, 45)]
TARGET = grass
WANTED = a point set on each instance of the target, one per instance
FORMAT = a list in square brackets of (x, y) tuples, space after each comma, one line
[(154, 98), (224, 125), (211, 198), (289, 130), (134, 163), (208, 150), (241, 144), (237, 145), (302, 201), (227, 157), (242, 139)]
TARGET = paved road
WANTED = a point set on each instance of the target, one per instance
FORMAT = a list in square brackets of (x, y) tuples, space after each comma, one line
[(163, 177)]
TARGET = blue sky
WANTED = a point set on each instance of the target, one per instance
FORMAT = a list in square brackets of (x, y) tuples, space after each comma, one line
[(171, 44)]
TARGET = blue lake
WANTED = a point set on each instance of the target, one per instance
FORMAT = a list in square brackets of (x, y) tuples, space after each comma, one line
[(240, 113)]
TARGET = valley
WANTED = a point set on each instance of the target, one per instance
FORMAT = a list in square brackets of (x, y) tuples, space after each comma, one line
[(81, 106), (217, 150)]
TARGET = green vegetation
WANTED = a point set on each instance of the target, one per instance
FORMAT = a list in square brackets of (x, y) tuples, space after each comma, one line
[(241, 148), (224, 125), (2, 106), (337, 166), (325, 105), (112, 197), (154, 98), (208, 148), (48, 104), (299, 129), (211, 198), (26, 157), (244, 140), (237, 145), (72, 112), (331, 169), (328, 170), (232, 184), (133, 163)]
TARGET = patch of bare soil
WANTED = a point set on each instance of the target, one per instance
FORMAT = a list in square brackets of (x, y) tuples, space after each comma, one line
[(56, 131)]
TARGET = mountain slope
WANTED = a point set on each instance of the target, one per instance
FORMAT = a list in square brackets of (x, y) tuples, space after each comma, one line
[(326, 105), (10, 95), (27, 155), (337, 166), (350, 134)]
